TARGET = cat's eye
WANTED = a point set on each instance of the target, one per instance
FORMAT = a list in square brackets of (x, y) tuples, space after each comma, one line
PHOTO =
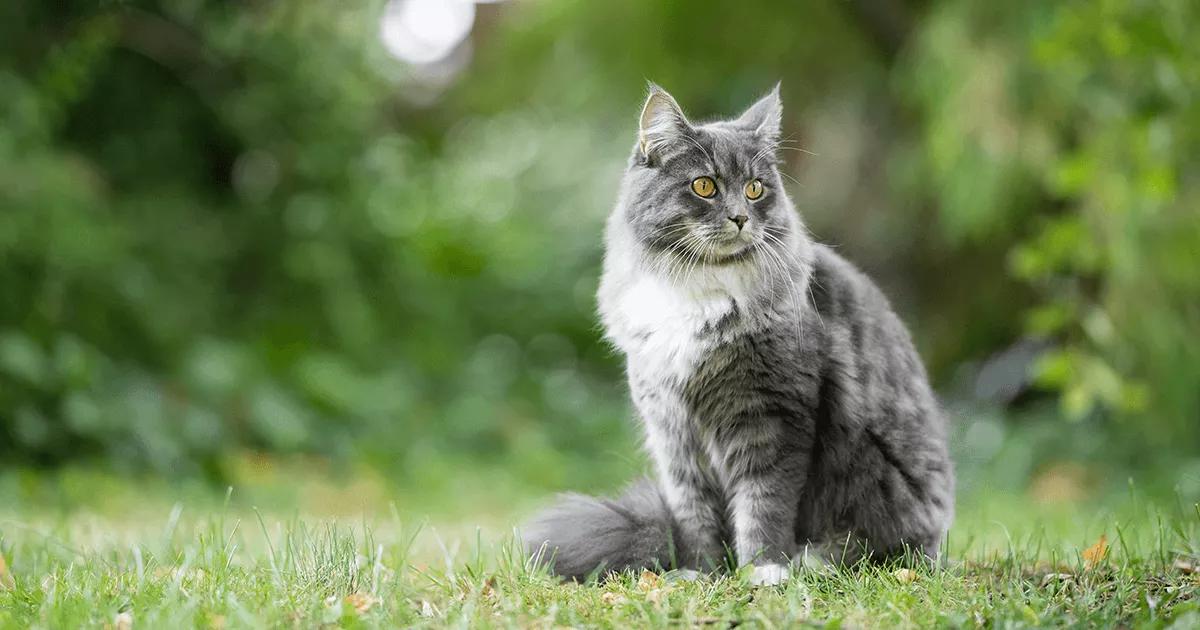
[(754, 189), (704, 186)]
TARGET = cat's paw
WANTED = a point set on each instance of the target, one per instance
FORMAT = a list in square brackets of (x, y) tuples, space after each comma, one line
[(769, 575)]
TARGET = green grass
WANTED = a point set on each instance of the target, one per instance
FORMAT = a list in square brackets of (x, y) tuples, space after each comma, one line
[(128, 556)]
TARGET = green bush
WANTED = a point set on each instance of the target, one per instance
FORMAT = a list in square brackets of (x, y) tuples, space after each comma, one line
[(243, 227), (1072, 132)]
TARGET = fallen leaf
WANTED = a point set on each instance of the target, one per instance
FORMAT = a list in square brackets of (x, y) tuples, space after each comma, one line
[(6, 578), (649, 580), (657, 595), (1096, 554), (613, 599), (361, 602), (905, 576), (1186, 566)]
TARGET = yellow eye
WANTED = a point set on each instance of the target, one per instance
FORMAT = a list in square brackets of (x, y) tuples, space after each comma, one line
[(704, 186), (754, 189)]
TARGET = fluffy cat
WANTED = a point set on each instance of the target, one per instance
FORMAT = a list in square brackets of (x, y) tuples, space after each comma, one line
[(786, 411)]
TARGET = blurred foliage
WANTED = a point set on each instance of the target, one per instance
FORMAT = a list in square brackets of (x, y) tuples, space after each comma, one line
[(244, 226), (1073, 132)]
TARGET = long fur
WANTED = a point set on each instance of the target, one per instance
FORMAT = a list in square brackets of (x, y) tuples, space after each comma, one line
[(582, 536), (785, 408)]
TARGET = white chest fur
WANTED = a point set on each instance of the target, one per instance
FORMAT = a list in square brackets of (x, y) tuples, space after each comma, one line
[(659, 326), (665, 327)]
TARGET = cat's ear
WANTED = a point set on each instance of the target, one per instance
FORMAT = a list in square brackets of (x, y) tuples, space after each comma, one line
[(661, 123), (764, 117)]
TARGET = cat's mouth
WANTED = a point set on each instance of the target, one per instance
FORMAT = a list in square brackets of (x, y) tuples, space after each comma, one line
[(731, 251), (740, 255), (702, 248)]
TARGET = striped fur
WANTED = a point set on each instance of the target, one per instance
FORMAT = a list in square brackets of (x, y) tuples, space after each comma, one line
[(784, 406)]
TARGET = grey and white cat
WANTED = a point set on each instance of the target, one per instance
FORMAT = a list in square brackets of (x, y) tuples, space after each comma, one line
[(787, 414)]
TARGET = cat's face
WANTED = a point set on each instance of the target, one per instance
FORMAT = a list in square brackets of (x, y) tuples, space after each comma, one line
[(706, 194)]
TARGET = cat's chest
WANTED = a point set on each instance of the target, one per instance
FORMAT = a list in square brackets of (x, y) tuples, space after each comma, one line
[(666, 333)]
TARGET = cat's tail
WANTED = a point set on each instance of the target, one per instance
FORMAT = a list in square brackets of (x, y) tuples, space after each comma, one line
[(580, 536)]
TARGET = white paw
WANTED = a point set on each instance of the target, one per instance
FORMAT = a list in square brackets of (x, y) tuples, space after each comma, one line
[(769, 575)]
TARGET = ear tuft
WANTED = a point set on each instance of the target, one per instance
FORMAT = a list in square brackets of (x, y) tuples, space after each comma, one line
[(764, 117), (661, 122)]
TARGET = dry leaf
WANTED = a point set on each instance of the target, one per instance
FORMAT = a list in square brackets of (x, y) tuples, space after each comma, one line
[(613, 599), (648, 581), (1186, 566), (1096, 554), (905, 576), (6, 578), (361, 602), (657, 596)]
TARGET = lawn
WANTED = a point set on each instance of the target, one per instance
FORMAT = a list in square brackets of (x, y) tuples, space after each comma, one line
[(95, 551)]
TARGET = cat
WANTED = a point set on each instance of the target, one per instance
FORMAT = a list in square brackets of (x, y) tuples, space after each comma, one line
[(786, 411)]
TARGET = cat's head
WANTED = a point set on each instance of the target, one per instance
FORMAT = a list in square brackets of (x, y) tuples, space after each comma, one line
[(707, 194)]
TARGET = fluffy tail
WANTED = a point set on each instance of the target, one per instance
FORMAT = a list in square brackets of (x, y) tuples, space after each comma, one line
[(581, 536)]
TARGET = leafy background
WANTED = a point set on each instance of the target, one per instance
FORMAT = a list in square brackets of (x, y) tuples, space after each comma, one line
[(243, 232)]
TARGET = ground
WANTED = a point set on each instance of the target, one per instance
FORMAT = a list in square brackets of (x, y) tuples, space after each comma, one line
[(87, 550)]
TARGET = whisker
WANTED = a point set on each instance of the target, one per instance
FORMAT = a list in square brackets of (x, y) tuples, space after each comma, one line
[(800, 149), (787, 276), (793, 179)]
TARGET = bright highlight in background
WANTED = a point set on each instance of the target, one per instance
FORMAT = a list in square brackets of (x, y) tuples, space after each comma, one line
[(422, 32)]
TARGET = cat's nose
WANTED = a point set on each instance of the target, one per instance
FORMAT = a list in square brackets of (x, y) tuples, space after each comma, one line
[(740, 220)]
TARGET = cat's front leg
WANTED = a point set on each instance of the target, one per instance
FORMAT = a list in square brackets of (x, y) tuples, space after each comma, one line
[(764, 514), (700, 524), (691, 493), (766, 477)]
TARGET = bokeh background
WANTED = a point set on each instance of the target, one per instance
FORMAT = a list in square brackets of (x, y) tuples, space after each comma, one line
[(308, 244)]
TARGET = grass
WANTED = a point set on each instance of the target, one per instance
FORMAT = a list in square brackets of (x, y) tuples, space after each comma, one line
[(129, 558)]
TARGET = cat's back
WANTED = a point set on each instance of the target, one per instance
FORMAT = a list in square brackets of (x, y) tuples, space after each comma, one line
[(842, 290), (844, 296), (868, 349)]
